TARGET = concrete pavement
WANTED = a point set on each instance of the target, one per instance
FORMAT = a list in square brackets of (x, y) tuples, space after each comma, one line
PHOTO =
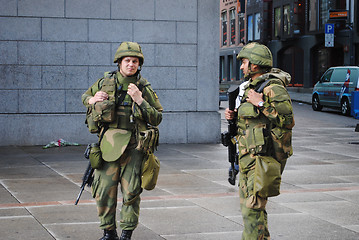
[(193, 200)]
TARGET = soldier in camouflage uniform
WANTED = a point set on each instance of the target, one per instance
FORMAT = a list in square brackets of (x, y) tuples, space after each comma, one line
[(260, 115), (135, 106)]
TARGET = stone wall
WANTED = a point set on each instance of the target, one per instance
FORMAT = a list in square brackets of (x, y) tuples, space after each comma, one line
[(52, 51)]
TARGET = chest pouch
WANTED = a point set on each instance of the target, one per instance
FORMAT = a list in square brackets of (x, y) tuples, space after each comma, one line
[(255, 140), (105, 111), (248, 110), (124, 117)]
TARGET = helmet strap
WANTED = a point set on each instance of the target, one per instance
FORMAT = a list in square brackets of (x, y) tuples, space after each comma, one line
[(252, 73)]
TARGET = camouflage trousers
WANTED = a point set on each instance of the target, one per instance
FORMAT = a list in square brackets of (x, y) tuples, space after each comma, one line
[(126, 171), (253, 209)]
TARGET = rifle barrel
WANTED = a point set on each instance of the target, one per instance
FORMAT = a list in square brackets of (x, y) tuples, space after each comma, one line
[(79, 196)]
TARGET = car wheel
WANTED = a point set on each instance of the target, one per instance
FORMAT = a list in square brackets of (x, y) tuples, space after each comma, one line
[(345, 107), (315, 103)]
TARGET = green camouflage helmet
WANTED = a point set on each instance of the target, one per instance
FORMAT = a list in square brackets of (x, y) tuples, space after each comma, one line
[(129, 49), (257, 54)]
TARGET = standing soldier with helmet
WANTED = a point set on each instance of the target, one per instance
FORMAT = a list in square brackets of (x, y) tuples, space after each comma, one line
[(264, 122), (120, 105)]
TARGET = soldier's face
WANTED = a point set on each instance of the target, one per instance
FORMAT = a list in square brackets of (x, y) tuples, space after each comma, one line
[(244, 66), (129, 66)]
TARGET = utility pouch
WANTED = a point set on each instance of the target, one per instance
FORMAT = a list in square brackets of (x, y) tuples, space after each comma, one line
[(282, 145), (150, 171), (147, 143), (95, 156), (104, 111), (248, 110), (91, 124), (148, 140), (255, 140), (267, 177)]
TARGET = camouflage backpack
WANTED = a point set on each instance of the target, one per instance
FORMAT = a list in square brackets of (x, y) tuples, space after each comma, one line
[(281, 136)]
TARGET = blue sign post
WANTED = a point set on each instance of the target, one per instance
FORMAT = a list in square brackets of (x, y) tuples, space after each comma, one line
[(329, 35)]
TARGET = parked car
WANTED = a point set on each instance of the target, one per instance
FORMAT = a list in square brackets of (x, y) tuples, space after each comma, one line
[(335, 87)]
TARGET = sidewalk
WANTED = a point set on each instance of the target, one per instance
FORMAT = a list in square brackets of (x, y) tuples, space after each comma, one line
[(300, 96), (193, 200)]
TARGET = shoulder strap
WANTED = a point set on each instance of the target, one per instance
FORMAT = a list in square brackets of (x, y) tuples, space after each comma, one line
[(262, 86), (106, 75), (141, 83)]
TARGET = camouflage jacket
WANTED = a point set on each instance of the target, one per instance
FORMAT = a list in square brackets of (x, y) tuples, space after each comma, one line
[(120, 132), (255, 125)]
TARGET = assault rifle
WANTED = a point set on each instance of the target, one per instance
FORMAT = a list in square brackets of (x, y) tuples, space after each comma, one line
[(229, 135), (88, 175)]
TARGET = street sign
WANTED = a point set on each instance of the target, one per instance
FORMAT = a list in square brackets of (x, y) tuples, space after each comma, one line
[(338, 14), (329, 35), (329, 28)]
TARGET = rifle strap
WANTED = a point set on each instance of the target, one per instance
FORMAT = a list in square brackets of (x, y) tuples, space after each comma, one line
[(104, 129)]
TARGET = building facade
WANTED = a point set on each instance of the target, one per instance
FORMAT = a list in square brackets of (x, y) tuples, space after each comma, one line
[(295, 31), (232, 38), (52, 51)]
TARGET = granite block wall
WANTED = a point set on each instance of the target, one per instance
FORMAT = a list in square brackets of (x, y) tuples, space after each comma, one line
[(52, 51)]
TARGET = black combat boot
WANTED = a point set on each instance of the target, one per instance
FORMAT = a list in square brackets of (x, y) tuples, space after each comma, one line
[(126, 235), (109, 235)]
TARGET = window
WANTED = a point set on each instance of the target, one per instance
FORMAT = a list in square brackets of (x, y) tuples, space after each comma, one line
[(257, 26), (277, 22), (286, 20), (299, 17), (250, 28), (327, 75), (232, 16), (224, 28), (324, 13), (313, 15), (241, 27), (222, 70), (231, 70), (339, 75)]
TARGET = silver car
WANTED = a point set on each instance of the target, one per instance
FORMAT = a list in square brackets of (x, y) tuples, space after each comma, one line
[(335, 87)]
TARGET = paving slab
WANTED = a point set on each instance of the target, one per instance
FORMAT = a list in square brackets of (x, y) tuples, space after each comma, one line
[(193, 199), (178, 222), (336, 212), (22, 227), (304, 226)]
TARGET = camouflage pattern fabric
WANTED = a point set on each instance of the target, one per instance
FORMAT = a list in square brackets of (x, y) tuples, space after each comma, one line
[(122, 161), (255, 126), (128, 114), (253, 209), (257, 53), (114, 143), (127, 172)]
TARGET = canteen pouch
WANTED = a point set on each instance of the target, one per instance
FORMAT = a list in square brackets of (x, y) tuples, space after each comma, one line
[(150, 171), (91, 124), (148, 140), (103, 111), (95, 156), (267, 177)]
